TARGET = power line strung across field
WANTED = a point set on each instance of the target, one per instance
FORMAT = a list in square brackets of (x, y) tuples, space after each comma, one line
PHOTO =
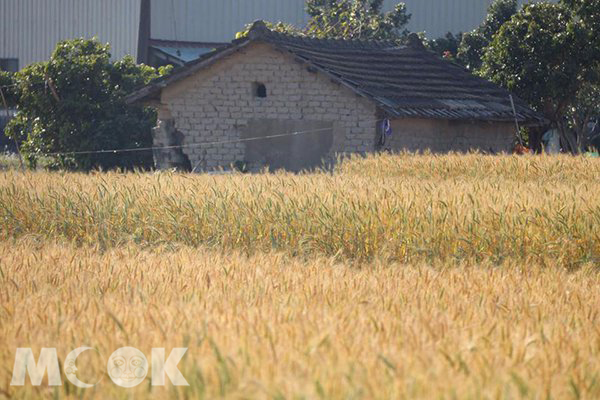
[(153, 148), (182, 146)]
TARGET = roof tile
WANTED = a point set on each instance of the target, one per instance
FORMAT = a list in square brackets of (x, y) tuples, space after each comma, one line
[(402, 80)]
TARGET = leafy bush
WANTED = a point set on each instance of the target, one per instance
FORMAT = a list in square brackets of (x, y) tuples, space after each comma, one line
[(348, 19), (446, 46), (6, 86), (7, 80), (74, 102), (548, 55), (356, 19), (474, 43)]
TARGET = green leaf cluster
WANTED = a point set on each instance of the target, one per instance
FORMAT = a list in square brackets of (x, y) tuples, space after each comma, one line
[(356, 19), (549, 55), (467, 49), (348, 19), (473, 44), (75, 102), (7, 82), (446, 46), (280, 27)]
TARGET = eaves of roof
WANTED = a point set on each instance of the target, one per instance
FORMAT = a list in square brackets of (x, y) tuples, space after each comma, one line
[(402, 81)]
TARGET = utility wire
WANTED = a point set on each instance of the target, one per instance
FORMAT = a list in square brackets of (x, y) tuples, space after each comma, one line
[(205, 144)]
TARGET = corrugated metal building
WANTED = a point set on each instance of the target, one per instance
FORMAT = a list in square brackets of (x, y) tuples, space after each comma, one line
[(30, 29), (219, 20)]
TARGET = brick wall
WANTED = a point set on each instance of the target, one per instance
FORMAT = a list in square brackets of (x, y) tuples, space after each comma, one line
[(220, 104)]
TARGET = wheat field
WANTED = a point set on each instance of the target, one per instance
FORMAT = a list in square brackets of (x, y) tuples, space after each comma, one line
[(391, 277)]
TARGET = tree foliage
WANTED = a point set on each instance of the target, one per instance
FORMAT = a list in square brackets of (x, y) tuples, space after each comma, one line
[(468, 48), (75, 102), (473, 44), (356, 19), (280, 27), (348, 19), (7, 96), (548, 54), (447, 46), (7, 82)]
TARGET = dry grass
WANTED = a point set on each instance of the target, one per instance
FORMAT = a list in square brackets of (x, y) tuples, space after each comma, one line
[(395, 277), (407, 209), (269, 326)]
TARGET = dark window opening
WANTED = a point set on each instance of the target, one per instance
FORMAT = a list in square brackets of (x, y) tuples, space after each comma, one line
[(9, 64), (260, 90)]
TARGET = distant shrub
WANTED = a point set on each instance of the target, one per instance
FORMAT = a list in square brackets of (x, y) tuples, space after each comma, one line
[(74, 102)]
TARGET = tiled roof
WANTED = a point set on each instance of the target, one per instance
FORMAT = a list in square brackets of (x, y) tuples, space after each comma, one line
[(405, 81)]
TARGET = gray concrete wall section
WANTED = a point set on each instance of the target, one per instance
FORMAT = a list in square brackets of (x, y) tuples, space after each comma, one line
[(304, 150), (220, 103), (442, 136)]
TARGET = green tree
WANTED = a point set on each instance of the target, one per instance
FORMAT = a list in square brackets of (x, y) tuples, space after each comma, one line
[(584, 27), (280, 27), (586, 24), (7, 96), (446, 46), (585, 108), (7, 82), (547, 55), (348, 19), (74, 102), (356, 19), (473, 44)]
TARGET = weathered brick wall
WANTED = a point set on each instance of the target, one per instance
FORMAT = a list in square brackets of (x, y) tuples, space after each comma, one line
[(442, 136), (218, 104)]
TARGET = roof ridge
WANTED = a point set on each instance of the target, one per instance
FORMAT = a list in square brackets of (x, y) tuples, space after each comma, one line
[(396, 78), (260, 31)]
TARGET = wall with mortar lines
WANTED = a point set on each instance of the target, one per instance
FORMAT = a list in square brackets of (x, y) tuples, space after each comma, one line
[(218, 104)]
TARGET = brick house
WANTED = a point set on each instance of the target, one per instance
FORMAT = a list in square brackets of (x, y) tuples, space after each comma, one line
[(291, 102)]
